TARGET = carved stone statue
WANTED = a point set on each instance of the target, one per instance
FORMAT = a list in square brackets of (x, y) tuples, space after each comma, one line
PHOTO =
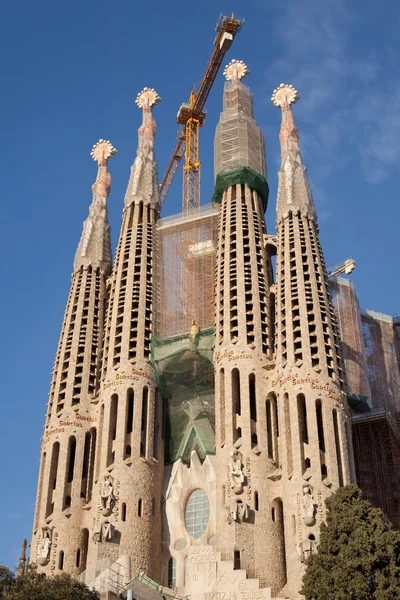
[(238, 512), (236, 474), (107, 498), (305, 549), (308, 505), (45, 546), (103, 532)]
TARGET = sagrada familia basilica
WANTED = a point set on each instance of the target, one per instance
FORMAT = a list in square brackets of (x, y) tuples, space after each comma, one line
[(213, 385)]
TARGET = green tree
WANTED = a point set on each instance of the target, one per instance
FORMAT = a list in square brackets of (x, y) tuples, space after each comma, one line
[(36, 586), (358, 555), (6, 579)]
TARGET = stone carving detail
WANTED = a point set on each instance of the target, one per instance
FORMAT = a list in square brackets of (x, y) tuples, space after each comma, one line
[(44, 546), (308, 505), (103, 532), (236, 475), (305, 549), (238, 511), (107, 496)]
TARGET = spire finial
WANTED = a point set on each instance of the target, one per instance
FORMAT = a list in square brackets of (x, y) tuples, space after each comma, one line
[(284, 96), (102, 152), (147, 98), (236, 70)]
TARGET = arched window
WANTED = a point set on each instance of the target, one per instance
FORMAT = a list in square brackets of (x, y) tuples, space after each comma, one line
[(112, 429), (197, 513)]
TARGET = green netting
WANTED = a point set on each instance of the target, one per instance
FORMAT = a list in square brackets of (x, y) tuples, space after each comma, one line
[(185, 377), (245, 176)]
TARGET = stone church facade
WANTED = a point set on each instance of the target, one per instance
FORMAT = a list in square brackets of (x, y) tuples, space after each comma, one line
[(215, 488)]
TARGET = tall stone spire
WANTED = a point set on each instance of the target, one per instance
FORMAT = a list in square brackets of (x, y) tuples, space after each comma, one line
[(132, 459), (95, 244), (307, 383), (294, 190), (63, 508), (143, 182), (244, 345)]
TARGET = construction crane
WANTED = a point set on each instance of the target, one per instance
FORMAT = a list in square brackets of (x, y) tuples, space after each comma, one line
[(347, 267), (191, 116)]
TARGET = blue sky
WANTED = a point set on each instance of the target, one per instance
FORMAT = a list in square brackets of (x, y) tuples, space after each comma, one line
[(70, 74)]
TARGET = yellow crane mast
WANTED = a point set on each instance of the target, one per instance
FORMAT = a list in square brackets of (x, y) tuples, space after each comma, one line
[(191, 116)]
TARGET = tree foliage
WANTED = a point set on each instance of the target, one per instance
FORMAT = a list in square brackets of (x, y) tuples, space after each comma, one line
[(6, 579), (36, 586), (358, 555)]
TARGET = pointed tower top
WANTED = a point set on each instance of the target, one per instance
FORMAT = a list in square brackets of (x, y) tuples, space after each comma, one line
[(236, 70), (147, 98), (143, 183), (103, 151), (284, 95), (95, 244), (294, 191)]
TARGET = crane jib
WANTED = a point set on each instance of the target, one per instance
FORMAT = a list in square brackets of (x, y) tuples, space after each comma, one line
[(191, 116)]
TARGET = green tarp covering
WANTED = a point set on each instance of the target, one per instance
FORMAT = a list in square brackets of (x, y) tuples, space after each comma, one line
[(185, 376), (245, 176)]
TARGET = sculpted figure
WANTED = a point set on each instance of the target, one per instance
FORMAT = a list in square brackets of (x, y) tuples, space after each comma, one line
[(235, 472), (238, 512), (44, 547), (107, 497), (305, 549), (308, 505)]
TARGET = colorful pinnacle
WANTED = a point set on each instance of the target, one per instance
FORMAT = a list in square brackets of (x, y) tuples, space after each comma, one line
[(284, 95), (103, 150), (147, 97), (236, 70)]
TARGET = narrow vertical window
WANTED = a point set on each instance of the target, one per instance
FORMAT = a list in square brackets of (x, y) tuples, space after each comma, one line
[(52, 478), (236, 403), (78, 558), (172, 573), (112, 429), (129, 411), (302, 412), (123, 512), (157, 421), (153, 507), (143, 442), (320, 426), (222, 406), (236, 560), (270, 440), (288, 435), (252, 395), (61, 560), (84, 549), (139, 508), (71, 459), (85, 466), (256, 501), (337, 444), (92, 458)]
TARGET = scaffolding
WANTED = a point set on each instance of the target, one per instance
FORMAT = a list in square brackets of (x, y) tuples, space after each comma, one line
[(376, 441), (382, 360), (239, 142), (345, 301), (186, 265), (370, 348)]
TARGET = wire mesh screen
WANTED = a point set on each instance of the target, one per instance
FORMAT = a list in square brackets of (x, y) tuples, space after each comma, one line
[(185, 271)]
